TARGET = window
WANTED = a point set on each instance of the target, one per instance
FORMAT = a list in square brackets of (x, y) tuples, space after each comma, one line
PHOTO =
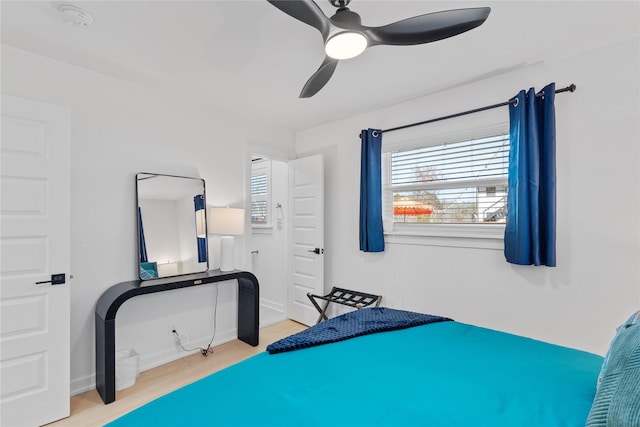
[(462, 182), (260, 193)]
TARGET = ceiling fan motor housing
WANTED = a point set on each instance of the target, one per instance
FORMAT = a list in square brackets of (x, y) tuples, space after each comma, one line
[(340, 3), (345, 18)]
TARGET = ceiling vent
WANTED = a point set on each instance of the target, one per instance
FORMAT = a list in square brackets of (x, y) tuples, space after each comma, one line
[(75, 15)]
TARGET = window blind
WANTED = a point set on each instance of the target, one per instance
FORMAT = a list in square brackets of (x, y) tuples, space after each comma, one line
[(259, 195), (459, 182)]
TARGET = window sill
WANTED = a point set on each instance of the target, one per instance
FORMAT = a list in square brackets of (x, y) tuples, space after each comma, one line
[(454, 235), (262, 229)]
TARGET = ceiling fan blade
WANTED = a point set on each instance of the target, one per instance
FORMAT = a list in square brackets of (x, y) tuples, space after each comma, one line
[(306, 11), (319, 78), (427, 28)]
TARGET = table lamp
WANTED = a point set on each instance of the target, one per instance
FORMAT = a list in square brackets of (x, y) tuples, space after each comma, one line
[(226, 222)]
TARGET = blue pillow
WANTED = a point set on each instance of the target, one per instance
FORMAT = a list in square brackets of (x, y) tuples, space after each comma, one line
[(630, 321), (617, 400)]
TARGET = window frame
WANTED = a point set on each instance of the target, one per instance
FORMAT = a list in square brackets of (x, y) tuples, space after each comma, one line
[(472, 235)]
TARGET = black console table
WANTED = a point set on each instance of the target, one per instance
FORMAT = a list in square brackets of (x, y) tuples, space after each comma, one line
[(111, 300)]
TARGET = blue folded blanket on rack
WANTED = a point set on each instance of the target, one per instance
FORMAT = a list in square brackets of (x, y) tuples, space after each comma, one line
[(351, 325)]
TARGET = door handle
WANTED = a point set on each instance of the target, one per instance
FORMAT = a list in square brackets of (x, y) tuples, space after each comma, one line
[(56, 279), (316, 251)]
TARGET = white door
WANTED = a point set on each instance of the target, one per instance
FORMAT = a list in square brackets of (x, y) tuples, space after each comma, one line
[(34, 243), (306, 176)]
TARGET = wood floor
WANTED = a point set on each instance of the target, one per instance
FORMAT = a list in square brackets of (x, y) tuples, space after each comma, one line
[(87, 409)]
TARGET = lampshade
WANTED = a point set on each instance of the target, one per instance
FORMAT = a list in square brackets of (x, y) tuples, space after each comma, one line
[(167, 269), (201, 230), (345, 45), (226, 221)]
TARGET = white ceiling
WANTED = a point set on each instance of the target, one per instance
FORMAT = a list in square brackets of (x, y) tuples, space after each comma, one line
[(252, 59)]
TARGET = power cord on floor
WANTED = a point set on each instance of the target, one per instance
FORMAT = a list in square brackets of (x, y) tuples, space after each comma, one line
[(204, 351)]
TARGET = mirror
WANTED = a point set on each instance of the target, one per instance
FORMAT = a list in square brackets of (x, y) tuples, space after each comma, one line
[(172, 225)]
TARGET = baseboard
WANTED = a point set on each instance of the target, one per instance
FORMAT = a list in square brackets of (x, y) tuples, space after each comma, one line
[(272, 305), (158, 359), (83, 384), (270, 313), (154, 360)]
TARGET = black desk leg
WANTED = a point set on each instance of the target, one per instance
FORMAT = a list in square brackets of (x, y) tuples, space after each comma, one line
[(248, 311), (248, 331), (105, 358)]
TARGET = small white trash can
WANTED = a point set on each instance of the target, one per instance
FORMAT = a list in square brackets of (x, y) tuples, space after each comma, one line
[(127, 363)]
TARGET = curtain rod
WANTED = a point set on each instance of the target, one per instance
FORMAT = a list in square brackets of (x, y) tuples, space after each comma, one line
[(570, 88)]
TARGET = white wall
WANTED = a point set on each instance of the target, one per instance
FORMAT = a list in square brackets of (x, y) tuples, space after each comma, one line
[(117, 130), (596, 284)]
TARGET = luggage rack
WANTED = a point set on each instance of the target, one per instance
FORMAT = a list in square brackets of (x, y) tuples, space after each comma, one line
[(350, 298)]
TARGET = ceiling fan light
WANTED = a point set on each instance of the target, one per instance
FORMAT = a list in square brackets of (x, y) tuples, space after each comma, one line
[(346, 45)]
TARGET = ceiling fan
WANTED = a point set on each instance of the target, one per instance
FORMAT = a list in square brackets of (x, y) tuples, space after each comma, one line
[(345, 37)]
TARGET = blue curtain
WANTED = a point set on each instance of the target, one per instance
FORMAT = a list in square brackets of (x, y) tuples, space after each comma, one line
[(142, 245), (530, 233), (198, 202), (371, 233)]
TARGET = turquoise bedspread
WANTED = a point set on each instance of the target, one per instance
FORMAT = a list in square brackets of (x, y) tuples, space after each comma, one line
[(443, 374)]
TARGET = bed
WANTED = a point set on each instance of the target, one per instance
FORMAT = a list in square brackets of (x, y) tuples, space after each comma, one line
[(436, 373)]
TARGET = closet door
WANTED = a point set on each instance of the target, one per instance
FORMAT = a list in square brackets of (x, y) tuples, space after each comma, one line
[(34, 271)]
